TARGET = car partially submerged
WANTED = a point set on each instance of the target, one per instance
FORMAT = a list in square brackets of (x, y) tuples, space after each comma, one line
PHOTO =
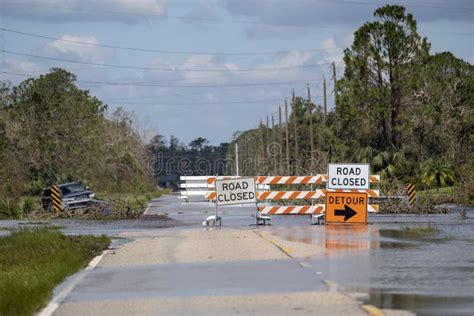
[(74, 195)]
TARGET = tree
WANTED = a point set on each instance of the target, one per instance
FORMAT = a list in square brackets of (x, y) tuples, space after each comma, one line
[(157, 142), (437, 171), (443, 120), (381, 74), (55, 132), (198, 144), (175, 144)]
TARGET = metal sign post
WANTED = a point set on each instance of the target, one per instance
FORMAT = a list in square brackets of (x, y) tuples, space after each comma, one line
[(256, 206), (215, 189)]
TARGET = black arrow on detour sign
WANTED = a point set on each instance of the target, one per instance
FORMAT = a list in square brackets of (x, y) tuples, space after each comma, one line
[(347, 212)]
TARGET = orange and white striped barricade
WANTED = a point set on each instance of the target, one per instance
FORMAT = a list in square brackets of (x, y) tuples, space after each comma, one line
[(316, 210), (202, 187)]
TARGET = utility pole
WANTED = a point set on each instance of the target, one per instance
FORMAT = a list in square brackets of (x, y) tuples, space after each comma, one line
[(335, 83), (237, 159), (295, 123), (310, 112), (273, 129), (262, 146), (287, 139), (280, 140), (325, 99), (280, 127), (267, 139), (274, 156)]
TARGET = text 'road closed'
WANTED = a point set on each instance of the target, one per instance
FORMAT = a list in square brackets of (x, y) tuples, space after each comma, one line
[(235, 191), (348, 176)]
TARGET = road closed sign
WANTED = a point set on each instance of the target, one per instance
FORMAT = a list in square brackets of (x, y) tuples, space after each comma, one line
[(235, 191), (344, 207), (348, 176)]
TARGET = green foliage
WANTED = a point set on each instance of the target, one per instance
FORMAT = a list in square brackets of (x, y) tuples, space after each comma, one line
[(33, 262), (28, 204), (17, 208), (34, 187), (56, 132), (381, 69), (437, 172), (10, 209), (406, 112)]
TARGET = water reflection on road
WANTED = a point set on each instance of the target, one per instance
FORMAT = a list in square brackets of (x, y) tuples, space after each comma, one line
[(421, 263)]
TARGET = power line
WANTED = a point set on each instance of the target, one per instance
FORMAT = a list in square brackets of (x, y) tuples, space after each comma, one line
[(158, 103), (143, 84), (163, 69), (168, 51), (101, 83)]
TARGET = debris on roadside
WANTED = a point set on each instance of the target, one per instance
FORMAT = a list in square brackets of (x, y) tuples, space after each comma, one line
[(104, 209), (397, 206)]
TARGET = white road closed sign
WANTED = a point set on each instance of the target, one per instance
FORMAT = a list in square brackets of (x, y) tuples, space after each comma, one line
[(348, 176), (235, 191)]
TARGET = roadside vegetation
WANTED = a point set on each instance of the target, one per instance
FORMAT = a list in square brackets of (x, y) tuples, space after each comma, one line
[(407, 112), (124, 205), (53, 132), (34, 261)]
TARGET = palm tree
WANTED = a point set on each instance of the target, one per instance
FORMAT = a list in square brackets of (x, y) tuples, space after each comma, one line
[(437, 171), (388, 163)]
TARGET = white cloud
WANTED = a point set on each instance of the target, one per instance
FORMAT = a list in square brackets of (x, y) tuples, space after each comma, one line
[(65, 47), (292, 59), (57, 11), (330, 54), (21, 67), (14, 70)]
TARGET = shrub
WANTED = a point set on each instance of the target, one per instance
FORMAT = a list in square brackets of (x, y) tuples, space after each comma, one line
[(9, 208)]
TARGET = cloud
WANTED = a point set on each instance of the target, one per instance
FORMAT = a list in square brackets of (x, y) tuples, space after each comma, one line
[(59, 11), (20, 66), (14, 70), (325, 13), (329, 54), (66, 48)]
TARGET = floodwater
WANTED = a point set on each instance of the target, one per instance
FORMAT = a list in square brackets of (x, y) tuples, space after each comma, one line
[(422, 263)]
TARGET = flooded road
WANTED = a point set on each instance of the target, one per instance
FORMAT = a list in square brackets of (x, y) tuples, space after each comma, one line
[(426, 267), (420, 263), (423, 263)]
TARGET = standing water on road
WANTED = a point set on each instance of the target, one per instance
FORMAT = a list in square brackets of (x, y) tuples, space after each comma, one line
[(422, 263)]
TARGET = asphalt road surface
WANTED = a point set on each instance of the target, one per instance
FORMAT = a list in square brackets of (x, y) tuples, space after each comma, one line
[(189, 269)]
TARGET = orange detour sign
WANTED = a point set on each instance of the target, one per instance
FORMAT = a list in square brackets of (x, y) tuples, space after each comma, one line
[(346, 207)]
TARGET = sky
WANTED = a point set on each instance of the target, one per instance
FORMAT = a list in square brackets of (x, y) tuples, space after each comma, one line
[(195, 68)]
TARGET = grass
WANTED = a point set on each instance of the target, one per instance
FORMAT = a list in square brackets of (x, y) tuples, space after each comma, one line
[(438, 195), (18, 208), (418, 232), (445, 190), (34, 261)]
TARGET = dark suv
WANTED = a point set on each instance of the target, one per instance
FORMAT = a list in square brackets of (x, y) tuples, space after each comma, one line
[(73, 195)]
